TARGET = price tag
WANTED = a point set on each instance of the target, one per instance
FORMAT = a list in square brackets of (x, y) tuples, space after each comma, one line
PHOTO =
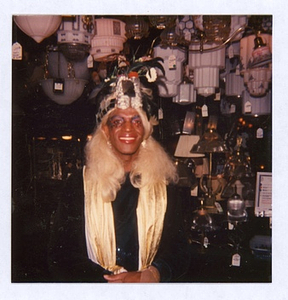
[(90, 61), (16, 51), (205, 242), (160, 114), (217, 96), (236, 260), (259, 133), (247, 107), (230, 51), (194, 192), (172, 62), (237, 72), (204, 110), (230, 226), (219, 207)]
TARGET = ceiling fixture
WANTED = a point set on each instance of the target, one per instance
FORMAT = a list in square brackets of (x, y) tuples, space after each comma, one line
[(38, 27), (74, 36), (108, 39)]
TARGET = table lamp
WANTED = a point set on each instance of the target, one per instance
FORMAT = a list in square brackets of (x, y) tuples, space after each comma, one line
[(210, 142)]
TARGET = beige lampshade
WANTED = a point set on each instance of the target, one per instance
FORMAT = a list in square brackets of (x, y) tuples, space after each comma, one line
[(38, 27)]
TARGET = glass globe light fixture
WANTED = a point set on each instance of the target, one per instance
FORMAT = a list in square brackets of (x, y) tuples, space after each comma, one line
[(136, 28)]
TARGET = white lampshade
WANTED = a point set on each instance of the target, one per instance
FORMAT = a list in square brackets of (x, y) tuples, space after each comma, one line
[(38, 27), (256, 105), (74, 36), (247, 47), (206, 67), (234, 84), (58, 67), (185, 144), (258, 80), (186, 94), (108, 39), (73, 89), (173, 65)]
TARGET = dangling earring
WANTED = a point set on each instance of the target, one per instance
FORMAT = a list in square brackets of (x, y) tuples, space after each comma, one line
[(143, 144), (109, 144)]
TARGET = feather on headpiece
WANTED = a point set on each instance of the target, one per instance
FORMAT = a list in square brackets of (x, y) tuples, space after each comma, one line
[(126, 87)]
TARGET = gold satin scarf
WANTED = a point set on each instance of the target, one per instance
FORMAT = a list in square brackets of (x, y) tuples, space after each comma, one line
[(100, 230)]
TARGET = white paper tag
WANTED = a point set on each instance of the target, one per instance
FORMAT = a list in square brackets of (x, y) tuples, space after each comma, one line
[(230, 226), (160, 114), (205, 242), (217, 96), (230, 51), (236, 260), (247, 107), (237, 72), (194, 192), (219, 207), (232, 108), (172, 62), (16, 51), (204, 110), (90, 61), (259, 133)]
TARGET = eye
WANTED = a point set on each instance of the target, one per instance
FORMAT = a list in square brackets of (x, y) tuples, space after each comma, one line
[(136, 120), (116, 121)]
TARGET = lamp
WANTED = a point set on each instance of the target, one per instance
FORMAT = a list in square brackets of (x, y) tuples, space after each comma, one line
[(136, 28), (173, 65), (108, 39), (72, 89), (74, 36), (206, 67), (161, 22), (256, 60), (38, 27), (256, 106), (210, 142)]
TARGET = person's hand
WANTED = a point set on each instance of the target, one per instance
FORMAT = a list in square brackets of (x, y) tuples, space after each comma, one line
[(149, 275), (131, 277)]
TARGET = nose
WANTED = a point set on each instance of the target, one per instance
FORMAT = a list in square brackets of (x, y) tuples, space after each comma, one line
[(127, 125)]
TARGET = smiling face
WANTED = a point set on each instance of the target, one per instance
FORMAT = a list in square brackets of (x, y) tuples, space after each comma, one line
[(125, 131)]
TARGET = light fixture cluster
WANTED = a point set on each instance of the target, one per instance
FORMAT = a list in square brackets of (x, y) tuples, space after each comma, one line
[(202, 42)]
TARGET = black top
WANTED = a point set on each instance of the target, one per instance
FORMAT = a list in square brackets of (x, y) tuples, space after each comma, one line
[(68, 259)]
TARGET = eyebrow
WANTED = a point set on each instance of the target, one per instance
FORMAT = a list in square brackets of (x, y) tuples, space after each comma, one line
[(124, 117)]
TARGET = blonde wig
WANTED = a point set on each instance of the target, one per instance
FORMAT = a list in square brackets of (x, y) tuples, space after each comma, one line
[(152, 165)]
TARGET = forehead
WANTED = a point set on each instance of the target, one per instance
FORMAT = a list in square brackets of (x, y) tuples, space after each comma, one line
[(128, 112)]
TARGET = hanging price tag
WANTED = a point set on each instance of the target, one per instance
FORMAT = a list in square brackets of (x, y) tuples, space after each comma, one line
[(259, 133), (232, 108), (230, 226), (160, 114), (16, 51), (194, 192), (237, 72), (230, 51), (172, 62), (90, 61), (204, 110), (247, 107), (205, 242), (236, 260)]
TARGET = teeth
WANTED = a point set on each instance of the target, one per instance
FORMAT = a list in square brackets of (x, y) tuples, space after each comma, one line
[(127, 138)]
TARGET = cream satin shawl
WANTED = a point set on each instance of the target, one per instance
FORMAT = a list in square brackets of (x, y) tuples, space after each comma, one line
[(99, 225)]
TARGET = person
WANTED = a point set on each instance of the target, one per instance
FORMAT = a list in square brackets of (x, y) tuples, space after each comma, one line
[(119, 220)]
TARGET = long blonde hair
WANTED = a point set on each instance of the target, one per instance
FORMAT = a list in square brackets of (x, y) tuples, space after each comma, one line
[(152, 166)]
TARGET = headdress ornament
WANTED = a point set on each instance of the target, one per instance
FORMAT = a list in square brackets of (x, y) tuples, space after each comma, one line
[(126, 87)]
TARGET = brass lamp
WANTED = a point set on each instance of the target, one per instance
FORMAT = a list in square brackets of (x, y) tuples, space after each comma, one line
[(210, 142)]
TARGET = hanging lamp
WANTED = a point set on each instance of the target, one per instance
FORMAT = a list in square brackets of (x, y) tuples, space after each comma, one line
[(38, 27)]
